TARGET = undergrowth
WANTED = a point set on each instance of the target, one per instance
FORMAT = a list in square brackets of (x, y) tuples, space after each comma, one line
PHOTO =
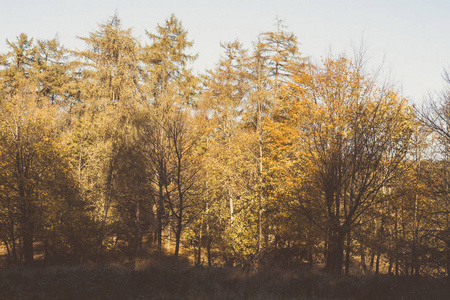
[(175, 279)]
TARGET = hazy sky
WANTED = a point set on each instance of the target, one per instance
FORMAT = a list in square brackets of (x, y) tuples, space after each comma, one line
[(413, 37)]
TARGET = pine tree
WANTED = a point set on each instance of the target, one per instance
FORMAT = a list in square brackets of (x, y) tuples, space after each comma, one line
[(110, 93)]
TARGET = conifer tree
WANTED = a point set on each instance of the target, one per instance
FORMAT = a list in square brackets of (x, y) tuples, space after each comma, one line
[(34, 166), (110, 94), (170, 89)]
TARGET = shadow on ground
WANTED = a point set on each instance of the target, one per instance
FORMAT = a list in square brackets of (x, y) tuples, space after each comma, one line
[(172, 279)]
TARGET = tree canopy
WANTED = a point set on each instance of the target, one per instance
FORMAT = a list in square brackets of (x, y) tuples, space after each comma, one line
[(267, 158)]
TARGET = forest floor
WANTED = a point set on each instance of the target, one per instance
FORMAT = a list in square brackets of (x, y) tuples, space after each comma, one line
[(168, 278)]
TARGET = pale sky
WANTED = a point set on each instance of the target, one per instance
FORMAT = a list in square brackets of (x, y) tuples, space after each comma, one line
[(411, 37)]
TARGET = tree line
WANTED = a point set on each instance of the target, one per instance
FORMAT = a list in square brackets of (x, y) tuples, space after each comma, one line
[(266, 158)]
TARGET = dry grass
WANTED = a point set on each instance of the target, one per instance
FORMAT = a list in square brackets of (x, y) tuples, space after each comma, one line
[(171, 279)]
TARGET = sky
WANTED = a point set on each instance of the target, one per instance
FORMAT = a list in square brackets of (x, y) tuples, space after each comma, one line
[(410, 39)]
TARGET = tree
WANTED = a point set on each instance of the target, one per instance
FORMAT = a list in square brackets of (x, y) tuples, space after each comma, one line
[(35, 168), (169, 83), (436, 117), (231, 178), (276, 58), (348, 138), (109, 92)]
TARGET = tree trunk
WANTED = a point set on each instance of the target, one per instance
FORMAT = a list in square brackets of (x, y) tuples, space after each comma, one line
[(177, 240), (396, 266), (396, 242), (335, 253), (138, 238), (13, 245), (169, 233), (415, 259), (380, 240), (107, 202), (391, 264), (199, 250), (377, 264), (8, 252), (159, 217), (372, 260), (347, 254), (28, 246), (208, 245), (261, 195), (180, 205), (363, 260), (27, 223)]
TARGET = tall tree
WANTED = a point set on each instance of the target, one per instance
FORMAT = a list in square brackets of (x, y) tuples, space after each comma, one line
[(31, 152), (277, 55), (232, 178), (169, 81), (110, 73), (436, 117), (275, 59), (350, 137)]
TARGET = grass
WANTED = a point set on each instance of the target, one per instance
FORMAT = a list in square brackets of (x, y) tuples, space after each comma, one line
[(172, 279)]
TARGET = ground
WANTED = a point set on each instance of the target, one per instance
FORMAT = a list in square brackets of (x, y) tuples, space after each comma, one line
[(169, 278)]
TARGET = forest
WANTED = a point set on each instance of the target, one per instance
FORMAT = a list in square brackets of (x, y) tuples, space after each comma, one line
[(268, 159)]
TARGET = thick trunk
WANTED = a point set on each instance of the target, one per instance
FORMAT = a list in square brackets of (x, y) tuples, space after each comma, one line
[(177, 241), (335, 253)]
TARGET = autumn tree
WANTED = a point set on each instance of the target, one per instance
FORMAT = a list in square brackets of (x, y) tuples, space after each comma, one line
[(35, 173), (279, 49), (274, 61), (348, 138), (170, 89), (231, 169), (109, 92), (436, 117)]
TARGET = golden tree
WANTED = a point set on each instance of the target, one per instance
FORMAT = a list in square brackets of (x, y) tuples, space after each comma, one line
[(109, 100), (342, 139)]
